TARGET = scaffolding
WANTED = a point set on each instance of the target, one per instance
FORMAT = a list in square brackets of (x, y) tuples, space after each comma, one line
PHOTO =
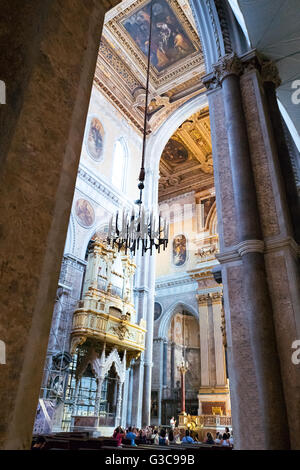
[(56, 396)]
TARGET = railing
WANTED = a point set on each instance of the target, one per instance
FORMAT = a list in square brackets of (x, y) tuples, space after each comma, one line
[(204, 421), (89, 321)]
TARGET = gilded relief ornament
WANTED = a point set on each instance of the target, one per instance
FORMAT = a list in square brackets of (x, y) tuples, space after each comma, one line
[(121, 331)]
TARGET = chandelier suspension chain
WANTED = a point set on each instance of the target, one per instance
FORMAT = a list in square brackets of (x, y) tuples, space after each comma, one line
[(142, 170)]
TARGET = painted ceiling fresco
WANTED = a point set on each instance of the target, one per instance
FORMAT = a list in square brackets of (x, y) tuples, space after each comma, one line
[(170, 42)]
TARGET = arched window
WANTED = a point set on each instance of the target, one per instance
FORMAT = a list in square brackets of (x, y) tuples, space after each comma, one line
[(119, 165)]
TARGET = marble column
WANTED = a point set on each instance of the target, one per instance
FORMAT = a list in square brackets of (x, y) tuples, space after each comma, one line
[(218, 339), (76, 395), (161, 380), (125, 399), (119, 402), (204, 349), (130, 397), (250, 248), (146, 414), (98, 395), (165, 363), (271, 81), (137, 397), (51, 49)]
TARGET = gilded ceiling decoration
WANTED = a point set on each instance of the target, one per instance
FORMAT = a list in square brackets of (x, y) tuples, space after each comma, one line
[(177, 62), (186, 162)]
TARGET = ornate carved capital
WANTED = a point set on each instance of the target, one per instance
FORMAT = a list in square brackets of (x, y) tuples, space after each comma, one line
[(202, 299), (269, 73), (216, 297), (229, 64)]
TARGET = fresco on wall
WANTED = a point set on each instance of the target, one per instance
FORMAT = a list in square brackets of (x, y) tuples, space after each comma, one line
[(95, 139), (85, 214), (170, 43), (179, 250), (175, 152)]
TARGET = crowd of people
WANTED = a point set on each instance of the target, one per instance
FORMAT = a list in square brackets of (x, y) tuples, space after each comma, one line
[(154, 435)]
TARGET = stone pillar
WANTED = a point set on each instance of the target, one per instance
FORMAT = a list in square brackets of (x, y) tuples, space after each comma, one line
[(279, 226), (48, 68), (211, 345), (271, 81), (137, 397), (76, 394), (161, 379), (119, 403), (165, 363), (146, 415), (204, 350), (125, 399), (130, 392), (245, 231), (221, 380), (100, 381)]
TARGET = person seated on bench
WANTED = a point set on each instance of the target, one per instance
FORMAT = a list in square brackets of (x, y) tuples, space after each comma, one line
[(131, 435), (177, 436), (163, 439), (209, 439), (187, 438), (155, 437), (171, 437), (118, 435)]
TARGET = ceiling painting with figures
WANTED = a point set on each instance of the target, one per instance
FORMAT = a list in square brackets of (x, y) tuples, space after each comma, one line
[(170, 42)]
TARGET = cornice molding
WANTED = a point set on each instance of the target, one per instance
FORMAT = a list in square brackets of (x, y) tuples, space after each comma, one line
[(250, 246), (102, 188), (258, 246)]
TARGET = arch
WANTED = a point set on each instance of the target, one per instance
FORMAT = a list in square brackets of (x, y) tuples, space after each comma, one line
[(89, 236), (211, 219), (158, 140), (218, 29), (71, 237), (167, 317)]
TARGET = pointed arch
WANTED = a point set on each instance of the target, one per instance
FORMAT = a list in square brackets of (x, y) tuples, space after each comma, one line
[(171, 311)]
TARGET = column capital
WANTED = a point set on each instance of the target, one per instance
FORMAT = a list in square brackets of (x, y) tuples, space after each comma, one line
[(229, 64), (269, 73), (232, 64), (202, 299), (216, 297)]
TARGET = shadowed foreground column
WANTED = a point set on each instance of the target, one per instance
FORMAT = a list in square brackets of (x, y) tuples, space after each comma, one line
[(47, 62)]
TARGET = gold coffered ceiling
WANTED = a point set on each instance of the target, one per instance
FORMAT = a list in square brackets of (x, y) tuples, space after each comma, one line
[(186, 162), (176, 61)]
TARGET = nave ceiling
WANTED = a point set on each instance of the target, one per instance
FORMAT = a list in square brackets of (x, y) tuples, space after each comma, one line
[(186, 162), (177, 62)]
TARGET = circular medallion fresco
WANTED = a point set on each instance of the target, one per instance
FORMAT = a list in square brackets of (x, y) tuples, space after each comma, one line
[(175, 152), (157, 310), (85, 213)]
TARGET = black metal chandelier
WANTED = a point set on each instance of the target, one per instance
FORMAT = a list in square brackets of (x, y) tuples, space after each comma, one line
[(140, 228)]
